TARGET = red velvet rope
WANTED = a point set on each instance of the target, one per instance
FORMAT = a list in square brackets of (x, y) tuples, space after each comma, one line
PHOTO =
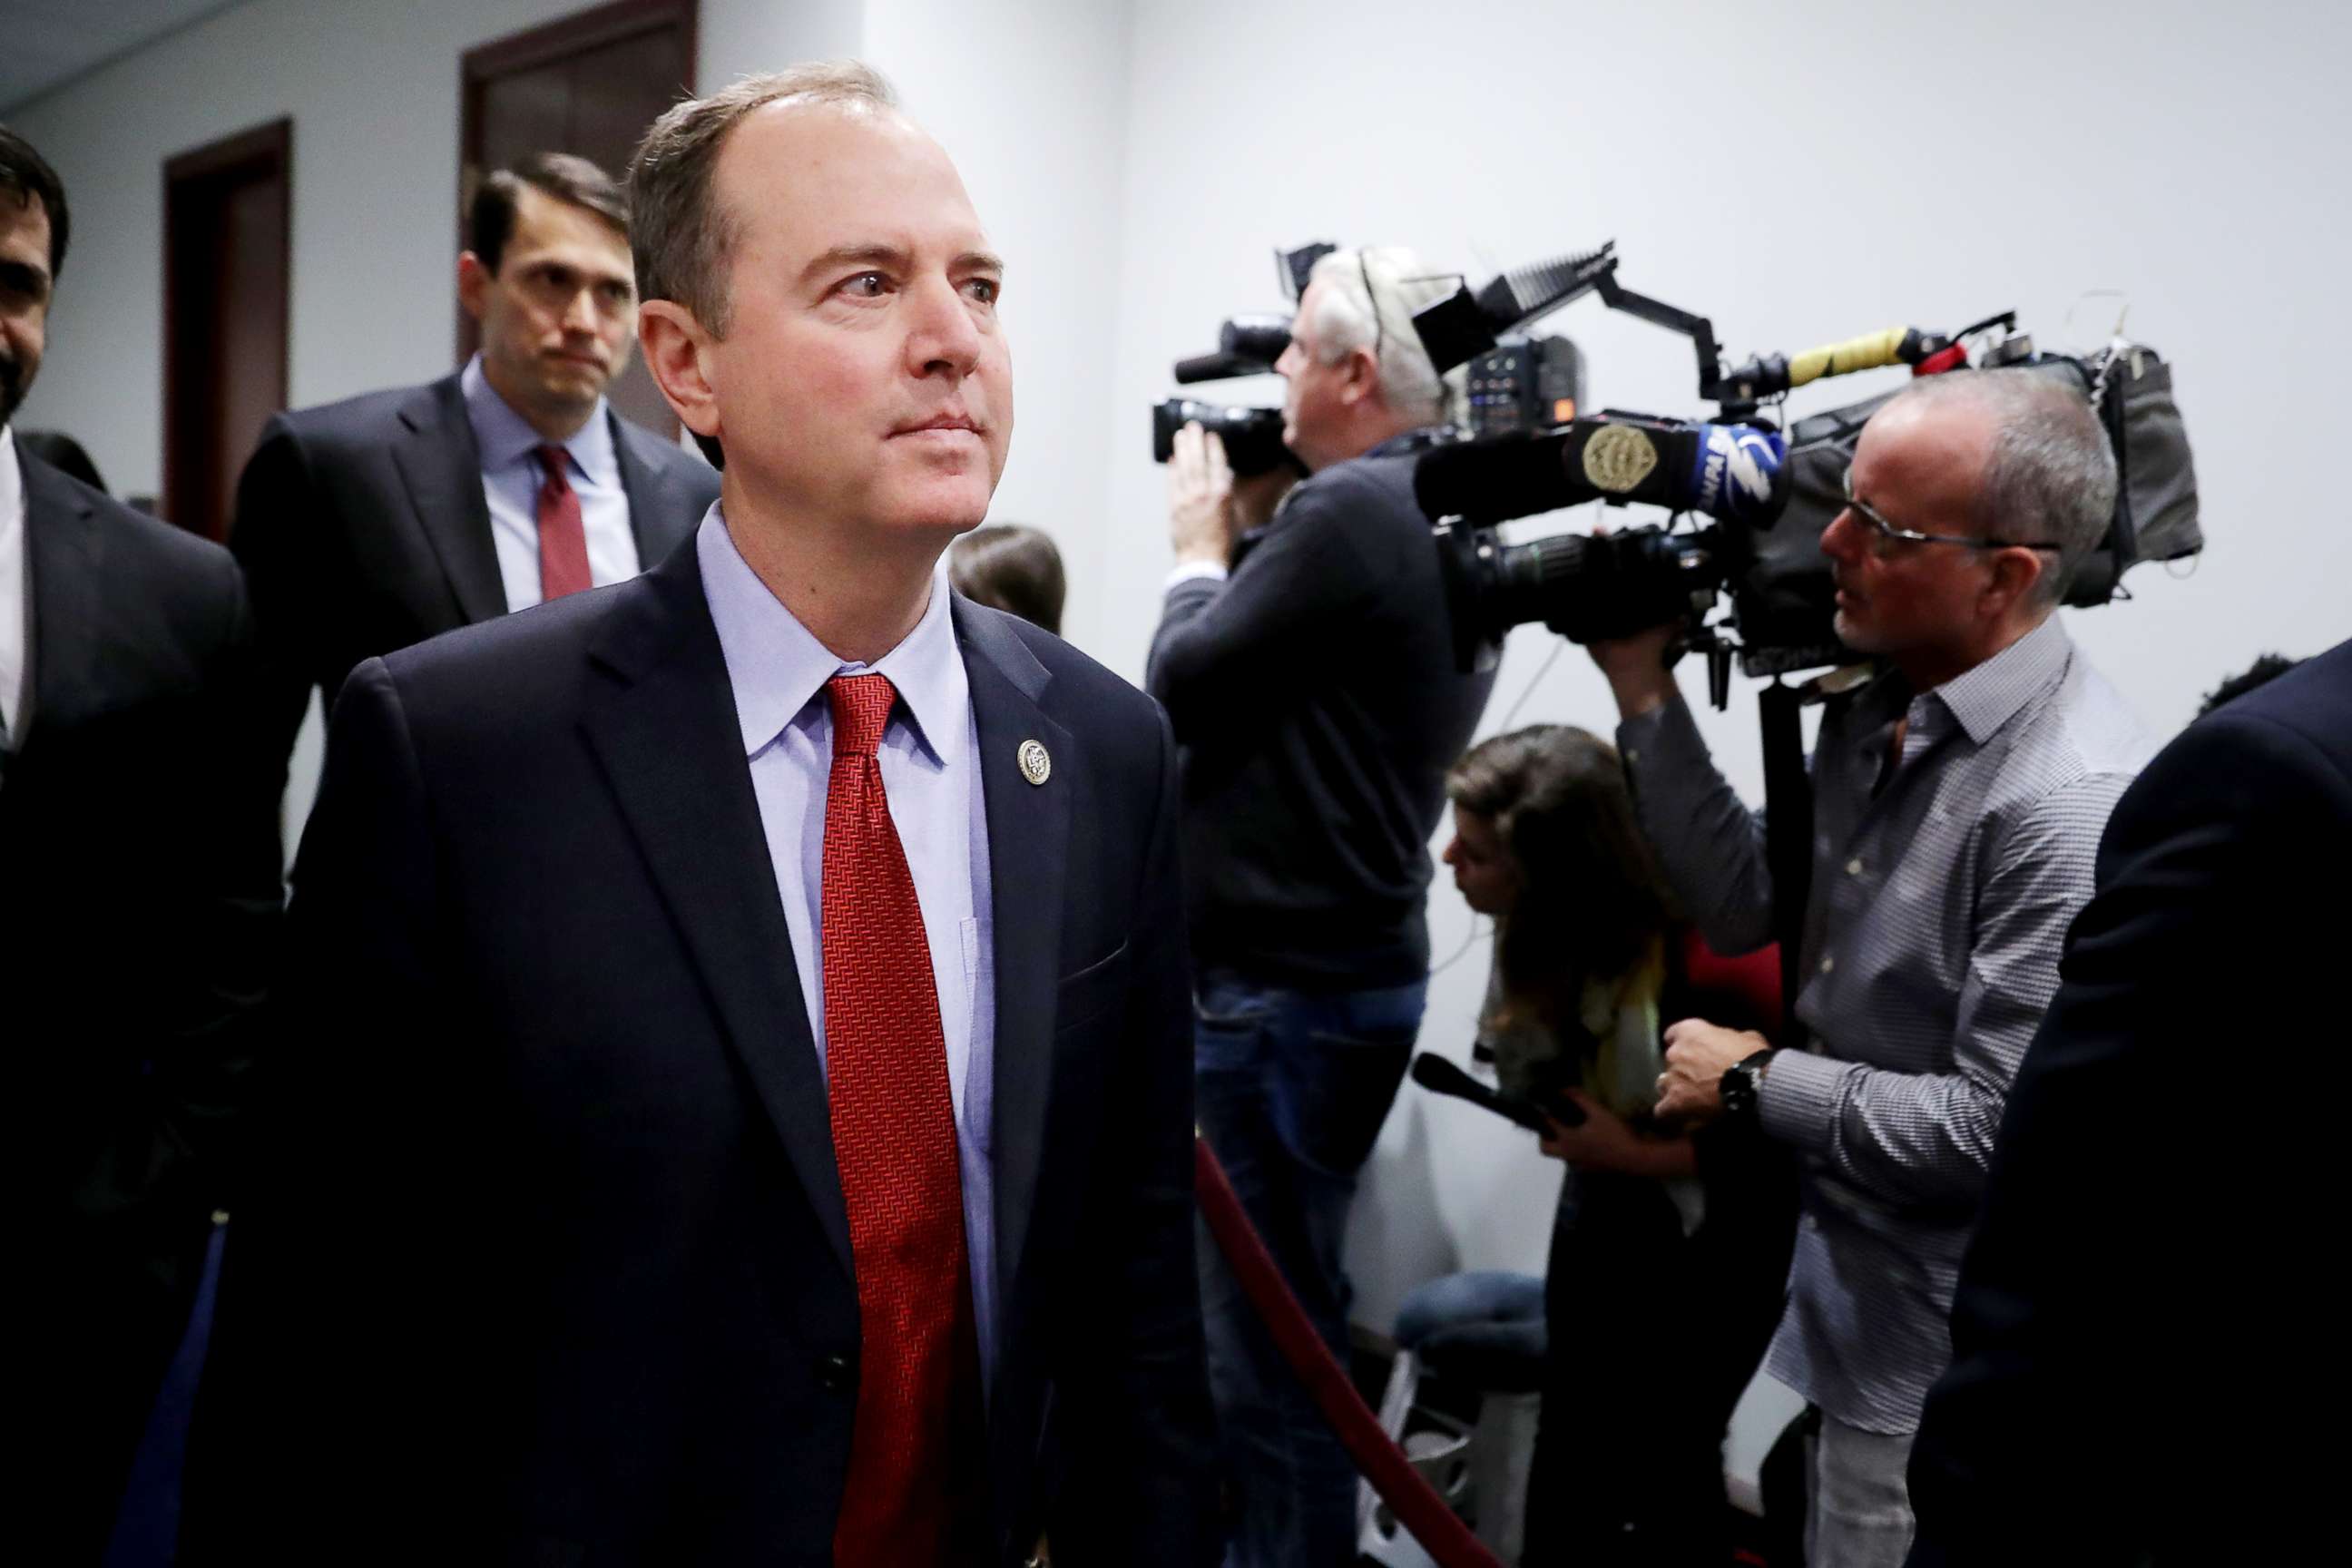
[(1417, 1506)]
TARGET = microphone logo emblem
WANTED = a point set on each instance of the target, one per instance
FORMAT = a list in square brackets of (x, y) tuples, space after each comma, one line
[(1617, 458), (1736, 471)]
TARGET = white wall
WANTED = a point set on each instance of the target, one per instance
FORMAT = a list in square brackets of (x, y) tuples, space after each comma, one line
[(1028, 99)]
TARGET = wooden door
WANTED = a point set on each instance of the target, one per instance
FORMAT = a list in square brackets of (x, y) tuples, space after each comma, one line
[(226, 277), (589, 85)]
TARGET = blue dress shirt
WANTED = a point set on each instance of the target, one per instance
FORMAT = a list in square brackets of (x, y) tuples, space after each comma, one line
[(930, 773), (511, 479)]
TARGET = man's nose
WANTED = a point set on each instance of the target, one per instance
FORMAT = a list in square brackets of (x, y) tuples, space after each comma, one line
[(942, 336), (1841, 539), (581, 313)]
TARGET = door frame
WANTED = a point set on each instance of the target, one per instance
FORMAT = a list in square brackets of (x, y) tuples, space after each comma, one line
[(270, 144), (545, 45)]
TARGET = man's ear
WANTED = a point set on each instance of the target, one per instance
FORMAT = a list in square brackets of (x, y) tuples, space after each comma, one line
[(473, 284), (677, 353), (1363, 377), (2016, 572)]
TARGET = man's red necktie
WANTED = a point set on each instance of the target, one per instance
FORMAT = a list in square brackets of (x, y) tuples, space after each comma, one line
[(894, 1139), (563, 541)]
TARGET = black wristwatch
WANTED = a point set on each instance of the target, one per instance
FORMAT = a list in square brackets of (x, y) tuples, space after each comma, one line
[(1742, 1080)]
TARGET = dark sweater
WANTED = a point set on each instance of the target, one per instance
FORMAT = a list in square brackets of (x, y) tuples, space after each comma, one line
[(1315, 695)]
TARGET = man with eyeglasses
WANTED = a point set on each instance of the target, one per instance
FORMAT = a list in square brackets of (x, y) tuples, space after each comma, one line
[(1304, 663), (1959, 796)]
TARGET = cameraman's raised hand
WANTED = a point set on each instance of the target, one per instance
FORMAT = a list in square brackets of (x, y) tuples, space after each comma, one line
[(1199, 498), (1636, 667)]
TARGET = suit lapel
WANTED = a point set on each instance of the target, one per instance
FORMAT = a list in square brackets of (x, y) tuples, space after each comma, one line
[(667, 736), (1028, 853), (441, 465), (658, 503), (65, 559)]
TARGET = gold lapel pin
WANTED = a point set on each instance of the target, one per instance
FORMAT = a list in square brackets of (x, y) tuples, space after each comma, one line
[(1036, 764)]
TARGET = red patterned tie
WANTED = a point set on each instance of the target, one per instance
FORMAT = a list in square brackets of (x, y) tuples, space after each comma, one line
[(894, 1139), (563, 541)]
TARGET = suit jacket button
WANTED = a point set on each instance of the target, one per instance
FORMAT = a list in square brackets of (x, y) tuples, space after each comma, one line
[(835, 1375)]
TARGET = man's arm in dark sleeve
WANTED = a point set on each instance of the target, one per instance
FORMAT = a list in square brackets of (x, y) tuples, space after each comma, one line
[(232, 902), (316, 1283), (1221, 643), (1142, 1487), (2074, 1415), (1708, 843), (276, 538)]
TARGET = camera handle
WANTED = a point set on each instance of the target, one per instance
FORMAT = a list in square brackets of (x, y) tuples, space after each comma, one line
[(1787, 833)]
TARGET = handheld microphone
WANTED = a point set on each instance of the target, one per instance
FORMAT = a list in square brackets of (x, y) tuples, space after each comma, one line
[(1439, 1076)]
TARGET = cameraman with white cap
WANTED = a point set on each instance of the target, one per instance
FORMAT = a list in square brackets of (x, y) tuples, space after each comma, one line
[(1307, 668)]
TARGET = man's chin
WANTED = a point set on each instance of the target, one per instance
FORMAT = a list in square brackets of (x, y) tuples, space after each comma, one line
[(943, 508), (1858, 637), (573, 387)]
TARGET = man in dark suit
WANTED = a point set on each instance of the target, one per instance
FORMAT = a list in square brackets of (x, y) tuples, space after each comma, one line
[(367, 525), (139, 900), (741, 1109), (2148, 1332)]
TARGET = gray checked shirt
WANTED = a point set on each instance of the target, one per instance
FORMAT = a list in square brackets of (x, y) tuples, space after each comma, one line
[(1942, 887)]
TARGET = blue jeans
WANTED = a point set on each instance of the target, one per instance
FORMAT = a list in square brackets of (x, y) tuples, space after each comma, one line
[(1290, 1089), (1484, 1327)]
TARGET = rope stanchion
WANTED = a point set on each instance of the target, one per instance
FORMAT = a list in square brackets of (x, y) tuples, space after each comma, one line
[(1415, 1503)]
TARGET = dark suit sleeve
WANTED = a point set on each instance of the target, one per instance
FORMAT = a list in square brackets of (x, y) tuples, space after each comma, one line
[(1218, 645), (215, 906), (233, 898), (312, 1294), (1141, 1489), (280, 522), (2112, 1301)]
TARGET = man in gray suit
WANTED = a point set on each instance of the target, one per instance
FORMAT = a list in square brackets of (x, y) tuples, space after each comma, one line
[(370, 524)]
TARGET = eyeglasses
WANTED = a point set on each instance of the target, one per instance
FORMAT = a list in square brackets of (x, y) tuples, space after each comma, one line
[(1887, 532)]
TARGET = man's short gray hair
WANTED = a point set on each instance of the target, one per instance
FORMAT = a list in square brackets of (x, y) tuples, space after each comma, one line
[(2051, 474), (1344, 322), (680, 235)]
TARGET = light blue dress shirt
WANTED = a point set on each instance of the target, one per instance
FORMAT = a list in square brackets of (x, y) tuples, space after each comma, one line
[(511, 478), (930, 775)]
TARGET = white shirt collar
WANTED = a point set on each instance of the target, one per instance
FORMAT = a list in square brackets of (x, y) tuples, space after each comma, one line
[(777, 666), (14, 652), (12, 485), (505, 436)]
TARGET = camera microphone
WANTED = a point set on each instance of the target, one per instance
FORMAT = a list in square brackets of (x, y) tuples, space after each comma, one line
[(1734, 472), (1218, 367), (1439, 1076)]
